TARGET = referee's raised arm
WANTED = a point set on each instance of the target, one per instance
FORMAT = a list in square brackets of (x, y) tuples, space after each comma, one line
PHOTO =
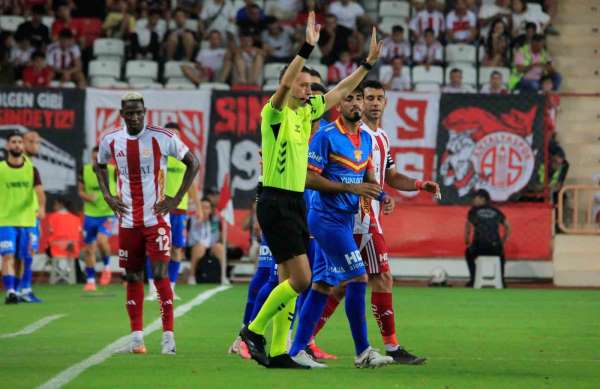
[(348, 84), (279, 99)]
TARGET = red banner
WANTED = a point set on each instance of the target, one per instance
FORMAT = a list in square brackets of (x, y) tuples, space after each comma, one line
[(438, 231)]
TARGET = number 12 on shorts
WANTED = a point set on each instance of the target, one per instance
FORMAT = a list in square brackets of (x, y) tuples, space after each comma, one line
[(163, 242)]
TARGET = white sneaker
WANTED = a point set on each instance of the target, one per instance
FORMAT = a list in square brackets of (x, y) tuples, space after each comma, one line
[(136, 345), (168, 343), (152, 295), (371, 358), (235, 346), (302, 358), (191, 280)]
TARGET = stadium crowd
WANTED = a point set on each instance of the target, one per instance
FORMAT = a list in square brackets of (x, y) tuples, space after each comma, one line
[(456, 46)]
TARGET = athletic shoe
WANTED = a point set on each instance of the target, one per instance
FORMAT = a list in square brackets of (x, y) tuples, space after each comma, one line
[(168, 343), (256, 345), (29, 297), (152, 296), (89, 287), (403, 357), (317, 353), (303, 359), (11, 298), (175, 297), (105, 276), (138, 349), (243, 350), (371, 358), (235, 346), (284, 361), (191, 280)]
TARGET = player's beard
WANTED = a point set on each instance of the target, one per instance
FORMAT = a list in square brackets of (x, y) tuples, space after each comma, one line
[(15, 153), (352, 117)]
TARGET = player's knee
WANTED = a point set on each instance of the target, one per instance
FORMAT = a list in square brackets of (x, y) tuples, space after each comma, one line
[(134, 276), (321, 288), (159, 270), (384, 282), (300, 282)]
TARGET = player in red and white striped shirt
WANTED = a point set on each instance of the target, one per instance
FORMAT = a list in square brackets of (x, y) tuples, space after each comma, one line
[(368, 231), (140, 153)]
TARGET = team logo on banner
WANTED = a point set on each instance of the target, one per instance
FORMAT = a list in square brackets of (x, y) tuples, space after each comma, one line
[(486, 148)]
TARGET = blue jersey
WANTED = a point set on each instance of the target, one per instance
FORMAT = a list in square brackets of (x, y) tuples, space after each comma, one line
[(341, 157)]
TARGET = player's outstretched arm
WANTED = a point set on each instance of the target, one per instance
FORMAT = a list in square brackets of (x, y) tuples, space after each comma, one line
[(317, 182), (169, 204), (404, 183), (291, 73), (115, 203), (348, 84)]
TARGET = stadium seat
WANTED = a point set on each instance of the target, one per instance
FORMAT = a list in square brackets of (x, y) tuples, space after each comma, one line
[(394, 8), (173, 69), (10, 22), (461, 53), (111, 49), (47, 21), (139, 70), (434, 75), (387, 23), (486, 71), (469, 73), (144, 83), (214, 86), (371, 5), (488, 272), (104, 68), (272, 70), (107, 82), (180, 83), (271, 86), (385, 72), (427, 87), (534, 8), (59, 84)]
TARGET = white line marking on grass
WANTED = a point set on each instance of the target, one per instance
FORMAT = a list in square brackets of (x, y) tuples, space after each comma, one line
[(67, 375), (30, 329)]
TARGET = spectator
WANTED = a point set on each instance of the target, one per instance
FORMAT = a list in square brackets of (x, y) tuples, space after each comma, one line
[(495, 86), (11, 7), (482, 232), (395, 46), (429, 17), (145, 41), (284, 9), (250, 7), (525, 39), (456, 85), (248, 62), (277, 42), (64, 57), (551, 106), (521, 15), (557, 174), (119, 23), (399, 80), (429, 51), (21, 53), (348, 13), (490, 12), (254, 23), (333, 39), (205, 238), (39, 73), (497, 51), (191, 7), (64, 20), (461, 24), (341, 69), (355, 44), (7, 69), (34, 29), (531, 63), (181, 42), (302, 17), (90, 8), (209, 61), (218, 15)]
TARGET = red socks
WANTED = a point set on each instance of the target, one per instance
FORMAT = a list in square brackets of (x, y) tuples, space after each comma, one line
[(383, 310), (330, 307), (135, 305), (165, 294)]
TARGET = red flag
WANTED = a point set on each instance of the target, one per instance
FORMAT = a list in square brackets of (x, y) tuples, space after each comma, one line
[(225, 203)]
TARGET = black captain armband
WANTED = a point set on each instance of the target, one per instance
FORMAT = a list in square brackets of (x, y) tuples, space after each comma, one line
[(305, 50)]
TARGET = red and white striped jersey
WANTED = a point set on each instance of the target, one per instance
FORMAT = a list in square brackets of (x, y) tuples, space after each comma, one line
[(141, 162), (425, 19), (367, 219)]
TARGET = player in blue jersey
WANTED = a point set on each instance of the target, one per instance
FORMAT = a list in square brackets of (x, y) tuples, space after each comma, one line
[(339, 171)]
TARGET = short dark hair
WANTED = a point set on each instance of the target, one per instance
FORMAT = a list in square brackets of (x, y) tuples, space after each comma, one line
[(429, 30), (455, 70), (38, 9), (495, 73), (529, 25), (95, 149), (373, 84), (38, 54), (483, 193), (65, 33), (315, 86), (172, 125), (314, 72), (538, 38), (397, 28), (12, 134), (305, 69)]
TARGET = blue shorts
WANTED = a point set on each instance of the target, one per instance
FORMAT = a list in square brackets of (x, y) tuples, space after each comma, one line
[(311, 253), (265, 257), (338, 259), (178, 221), (34, 235), (92, 226), (16, 241)]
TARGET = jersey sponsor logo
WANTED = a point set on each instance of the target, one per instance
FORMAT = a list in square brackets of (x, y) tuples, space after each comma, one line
[(6, 244), (17, 184), (144, 170), (123, 254), (315, 157)]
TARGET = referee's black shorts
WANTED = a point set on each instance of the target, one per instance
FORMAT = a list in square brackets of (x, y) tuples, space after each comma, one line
[(282, 218)]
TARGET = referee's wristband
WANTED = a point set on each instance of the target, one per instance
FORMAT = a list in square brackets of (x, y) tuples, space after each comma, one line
[(305, 50), (366, 65)]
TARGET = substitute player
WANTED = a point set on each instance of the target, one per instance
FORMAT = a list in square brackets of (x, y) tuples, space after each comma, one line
[(339, 163), (20, 198), (98, 221), (175, 173), (368, 231), (285, 131), (141, 153)]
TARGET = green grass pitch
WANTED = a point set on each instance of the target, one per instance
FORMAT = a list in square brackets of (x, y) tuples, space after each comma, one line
[(514, 338)]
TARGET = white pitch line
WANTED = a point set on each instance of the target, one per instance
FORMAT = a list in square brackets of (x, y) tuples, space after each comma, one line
[(30, 329), (72, 372)]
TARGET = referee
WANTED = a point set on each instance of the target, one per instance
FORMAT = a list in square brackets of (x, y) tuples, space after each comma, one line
[(285, 130)]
